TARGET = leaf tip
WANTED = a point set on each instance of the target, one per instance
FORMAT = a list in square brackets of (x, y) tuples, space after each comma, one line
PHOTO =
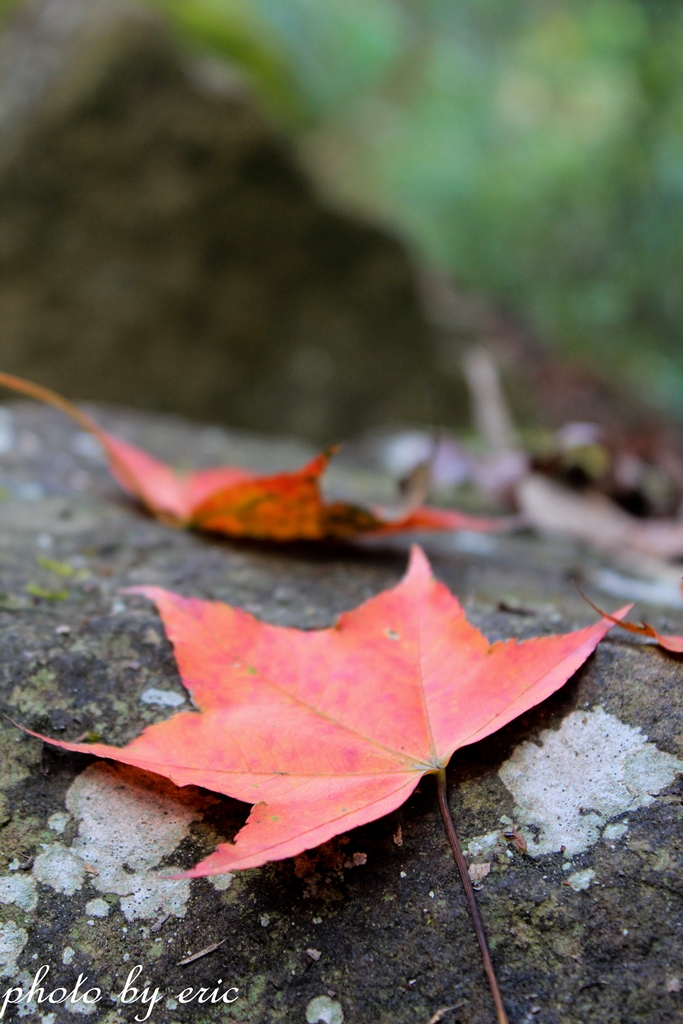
[(419, 568)]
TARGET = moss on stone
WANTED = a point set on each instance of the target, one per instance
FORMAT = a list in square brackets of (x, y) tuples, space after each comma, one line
[(385, 959)]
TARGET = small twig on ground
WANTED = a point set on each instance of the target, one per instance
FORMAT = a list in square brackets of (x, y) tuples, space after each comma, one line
[(440, 1014), (202, 952), (492, 416)]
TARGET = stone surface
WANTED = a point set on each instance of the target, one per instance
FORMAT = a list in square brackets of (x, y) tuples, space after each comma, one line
[(588, 933), (160, 245)]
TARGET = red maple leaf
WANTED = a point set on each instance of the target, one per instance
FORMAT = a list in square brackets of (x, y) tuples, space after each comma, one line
[(235, 502), (325, 730), (328, 729)]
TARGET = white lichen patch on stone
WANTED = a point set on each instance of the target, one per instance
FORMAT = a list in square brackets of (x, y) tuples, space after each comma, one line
[(58, 821), (12, 942), (581, 880), (615, 831), (126, 828), (59, 868), (590, 770), (154, 896), (324, 1010), (68, 954), (221, 882), (97, 908), (80, 1008), (19, 889), (23, 980), (484, 846)]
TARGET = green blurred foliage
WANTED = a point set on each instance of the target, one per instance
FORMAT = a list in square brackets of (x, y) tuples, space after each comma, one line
[(312, 59), (535, 149)]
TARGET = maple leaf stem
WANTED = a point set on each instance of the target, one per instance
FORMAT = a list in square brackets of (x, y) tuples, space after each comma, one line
[(86, 423), (41, 394), (469, 896)]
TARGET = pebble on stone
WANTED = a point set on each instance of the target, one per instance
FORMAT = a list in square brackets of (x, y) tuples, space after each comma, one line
[(580, 880), (162, 698), (58, 821), (7, 437)]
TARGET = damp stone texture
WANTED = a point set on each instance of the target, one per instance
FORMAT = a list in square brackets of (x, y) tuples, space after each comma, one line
[(570, 817)]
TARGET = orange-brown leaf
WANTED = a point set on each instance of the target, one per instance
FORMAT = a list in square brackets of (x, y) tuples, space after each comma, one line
[(286, 506), (232, 501), (326, 730)]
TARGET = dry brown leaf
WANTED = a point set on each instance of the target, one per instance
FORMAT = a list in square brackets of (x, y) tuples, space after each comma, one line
[(593, 518), (478, 871)]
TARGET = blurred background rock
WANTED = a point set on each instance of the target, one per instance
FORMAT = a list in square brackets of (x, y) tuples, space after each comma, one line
[(298, 216)]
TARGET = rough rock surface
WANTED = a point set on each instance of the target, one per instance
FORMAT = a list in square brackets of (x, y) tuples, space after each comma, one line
[(372, 927), (161, 247)]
